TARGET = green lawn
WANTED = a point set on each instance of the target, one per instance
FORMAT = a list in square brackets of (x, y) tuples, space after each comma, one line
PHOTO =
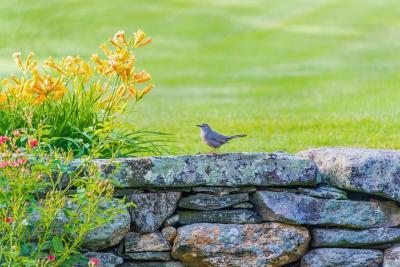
[(291, 74)]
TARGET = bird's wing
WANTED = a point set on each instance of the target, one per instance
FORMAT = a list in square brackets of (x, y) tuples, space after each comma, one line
[(217, 137)]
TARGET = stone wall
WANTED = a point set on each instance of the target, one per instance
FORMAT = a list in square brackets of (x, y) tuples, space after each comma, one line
[(321, 207)]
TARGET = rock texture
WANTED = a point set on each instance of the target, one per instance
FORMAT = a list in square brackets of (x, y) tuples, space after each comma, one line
[(152, 264), (304, 209), (111, 233), (324, 192), (106, 259), (244, 205), (354, 238), (223, 190), (172, 220), (135, 242), (236, 169), (149, 256), (392, 257), (152, 209), (239, 216), (341, 257), (365, 170), (169, 233), (269, 244), (211, 202)]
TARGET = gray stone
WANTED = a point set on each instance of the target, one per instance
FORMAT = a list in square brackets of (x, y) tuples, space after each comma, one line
[(152, 209), (342, 257), (220, 190), (135, 242), (303, 209), (169, 189), (211, 202), (149, 256), (171, 221), (331, 189), (111, 233), (152, 264), (269, 244), (239, 216), (391, 257), (340, 238), (169, 233), (120, 249), (278, 189), (127, 192), (244, 205), (322, 192), (235, 169), (106, 259), (371, 171)]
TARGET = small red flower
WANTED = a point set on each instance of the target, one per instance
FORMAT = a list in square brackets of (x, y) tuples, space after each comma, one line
[(33, 143), (9, 220), (17, 133), (51, 258), (17, 163), (22, 161), (94, 262), (4, 164), (3, 139)]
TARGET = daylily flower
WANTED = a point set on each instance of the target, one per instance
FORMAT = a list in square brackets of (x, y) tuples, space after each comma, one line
[(17, 59), (120, 35), (140, 39), (3, 98), (145, 91), (42, 87), (142, 77)]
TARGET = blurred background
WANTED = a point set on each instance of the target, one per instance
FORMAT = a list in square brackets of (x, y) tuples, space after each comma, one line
[(291, 74)]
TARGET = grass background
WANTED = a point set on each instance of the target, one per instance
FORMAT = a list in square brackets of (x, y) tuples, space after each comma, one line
[(291, 74)]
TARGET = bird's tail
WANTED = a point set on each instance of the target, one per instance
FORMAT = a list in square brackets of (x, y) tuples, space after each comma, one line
[(238, 135)]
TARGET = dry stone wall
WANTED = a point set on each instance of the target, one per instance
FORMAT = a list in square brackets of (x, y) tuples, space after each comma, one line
[(319, 208)]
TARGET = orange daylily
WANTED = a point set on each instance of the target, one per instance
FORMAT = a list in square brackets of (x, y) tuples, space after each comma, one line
[(145, 91), (142, 77), (43, 87), (3, 98), (17, 59), (115, 70), (140, 39)]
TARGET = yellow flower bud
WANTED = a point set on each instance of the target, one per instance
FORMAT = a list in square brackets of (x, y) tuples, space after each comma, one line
[(17, 59), (140, 39)]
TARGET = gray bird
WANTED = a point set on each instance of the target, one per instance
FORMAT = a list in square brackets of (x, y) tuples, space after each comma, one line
[(214, 139)]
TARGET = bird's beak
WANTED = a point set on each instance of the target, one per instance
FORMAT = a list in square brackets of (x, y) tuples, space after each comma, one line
[(198, 125)]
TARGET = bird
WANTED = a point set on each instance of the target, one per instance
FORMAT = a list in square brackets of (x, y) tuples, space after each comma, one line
[(214, 139)]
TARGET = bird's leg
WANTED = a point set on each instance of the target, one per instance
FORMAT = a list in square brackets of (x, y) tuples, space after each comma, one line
[(214, 151)]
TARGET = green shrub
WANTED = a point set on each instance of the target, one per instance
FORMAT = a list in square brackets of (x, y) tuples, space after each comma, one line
[(46, 209)]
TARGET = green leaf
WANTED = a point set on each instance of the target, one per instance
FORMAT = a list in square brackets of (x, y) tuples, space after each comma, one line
[(76, 259), (58, 245)]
